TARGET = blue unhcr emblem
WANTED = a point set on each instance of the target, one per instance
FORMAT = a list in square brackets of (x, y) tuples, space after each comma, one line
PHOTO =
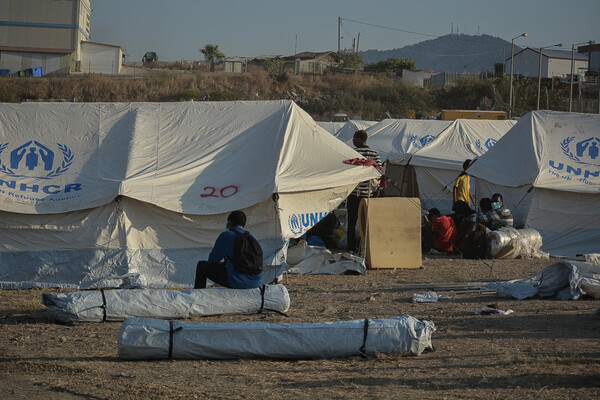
[(488, 144), (586, 151), (33, 159), (300, 222), (295, 224), (424, 141)]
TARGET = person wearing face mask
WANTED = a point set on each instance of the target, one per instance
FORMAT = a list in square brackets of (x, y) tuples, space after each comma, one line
[(497, 217)]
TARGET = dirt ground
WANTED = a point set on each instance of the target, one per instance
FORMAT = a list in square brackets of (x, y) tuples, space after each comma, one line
[(546, 349)]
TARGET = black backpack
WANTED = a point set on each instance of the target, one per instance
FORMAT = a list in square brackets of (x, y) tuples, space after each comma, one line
[(473, 245), (247, 254)]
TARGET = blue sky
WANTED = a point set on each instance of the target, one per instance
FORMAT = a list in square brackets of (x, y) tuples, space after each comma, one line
[(176, 29)]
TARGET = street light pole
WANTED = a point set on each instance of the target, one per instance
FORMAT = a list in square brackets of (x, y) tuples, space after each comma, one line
[(540, 72), (512, 55), (573, 71), (571, 78)]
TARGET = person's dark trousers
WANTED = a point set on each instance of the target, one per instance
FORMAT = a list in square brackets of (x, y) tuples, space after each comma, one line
[(215, 272), (352, 203)]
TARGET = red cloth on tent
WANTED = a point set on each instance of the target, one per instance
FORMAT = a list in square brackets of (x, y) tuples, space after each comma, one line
[(364, 162)]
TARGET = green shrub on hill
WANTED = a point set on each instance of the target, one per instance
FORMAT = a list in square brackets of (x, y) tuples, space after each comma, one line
[(373, 96)]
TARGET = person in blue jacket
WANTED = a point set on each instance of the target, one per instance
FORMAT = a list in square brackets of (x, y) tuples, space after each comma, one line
[(219, 266)]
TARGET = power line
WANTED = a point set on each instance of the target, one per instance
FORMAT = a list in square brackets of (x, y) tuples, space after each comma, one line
[(391, 29), (424, 34)]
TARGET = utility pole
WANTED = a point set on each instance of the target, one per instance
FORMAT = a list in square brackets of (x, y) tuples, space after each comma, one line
[(357, 40), (339, 32), (354, 45)]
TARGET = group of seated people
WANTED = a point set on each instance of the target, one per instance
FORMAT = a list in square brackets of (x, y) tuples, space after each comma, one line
[(465, 230)]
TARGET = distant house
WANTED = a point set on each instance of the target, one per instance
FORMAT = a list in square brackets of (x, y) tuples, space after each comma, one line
[(416, 77), (446, 79), (308, 62), (234, 64), (554, 62)]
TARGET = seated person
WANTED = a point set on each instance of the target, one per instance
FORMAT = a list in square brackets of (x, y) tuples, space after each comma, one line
[(461, 212), (441, 230), (495, 218), (324, 230), (503, 212), (485, 205), (472, 242), (219, 267)]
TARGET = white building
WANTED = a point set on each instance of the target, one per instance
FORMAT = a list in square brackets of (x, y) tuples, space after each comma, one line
[(554, 62), (101, 58), (51, 35), (415, 77)]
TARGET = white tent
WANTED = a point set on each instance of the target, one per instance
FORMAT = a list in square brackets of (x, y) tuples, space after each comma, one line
[(397, 140), (439, 164), (330, 126), (549, 165), (92, 193), (346, 132)]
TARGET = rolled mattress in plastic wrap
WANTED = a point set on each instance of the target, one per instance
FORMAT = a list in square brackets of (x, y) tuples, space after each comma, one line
[(522, 242), (141, 339), (118, 304)]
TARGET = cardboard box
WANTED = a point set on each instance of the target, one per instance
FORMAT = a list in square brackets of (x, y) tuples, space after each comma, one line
[(393, 232)]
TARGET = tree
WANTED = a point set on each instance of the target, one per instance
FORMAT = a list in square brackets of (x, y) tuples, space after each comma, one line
[(348, 59), (211, 53), (395, 65), (275, 66)]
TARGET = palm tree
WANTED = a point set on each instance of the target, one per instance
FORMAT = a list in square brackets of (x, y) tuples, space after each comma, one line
[(211, 53)]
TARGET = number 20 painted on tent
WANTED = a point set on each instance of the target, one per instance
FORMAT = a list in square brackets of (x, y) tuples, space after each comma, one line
[(225, 192)]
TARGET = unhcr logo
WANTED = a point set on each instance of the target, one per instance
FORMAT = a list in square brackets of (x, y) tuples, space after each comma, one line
[(586, 151), (420, 143), (34, 160), (300, 222), (488, 144), (586, 155)]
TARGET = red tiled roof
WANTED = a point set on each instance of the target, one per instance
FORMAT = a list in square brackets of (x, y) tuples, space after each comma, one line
[(35, 50)]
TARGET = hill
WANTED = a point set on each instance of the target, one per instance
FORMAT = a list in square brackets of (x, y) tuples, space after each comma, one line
[(452, 53)]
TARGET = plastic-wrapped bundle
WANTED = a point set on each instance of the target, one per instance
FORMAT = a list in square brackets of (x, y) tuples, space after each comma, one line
[(563, 280), (118, 304), (158, 339), (515, 243)]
